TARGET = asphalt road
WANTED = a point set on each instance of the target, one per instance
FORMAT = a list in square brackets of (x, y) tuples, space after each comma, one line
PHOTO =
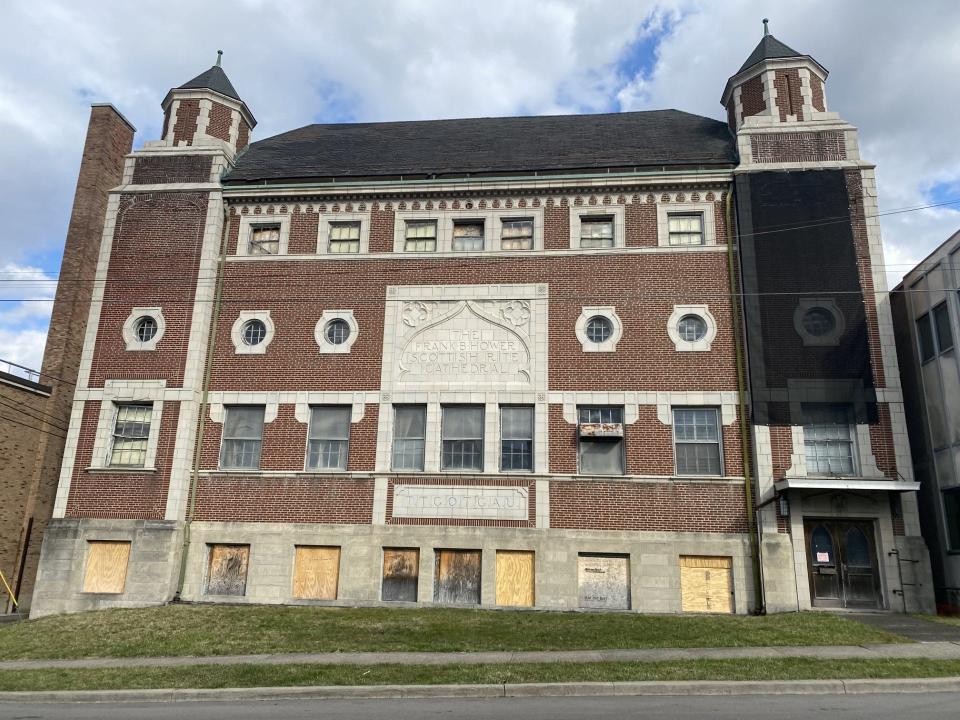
[(782, 707)]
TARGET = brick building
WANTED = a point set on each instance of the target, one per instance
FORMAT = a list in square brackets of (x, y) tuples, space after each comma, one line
[(492, 361), (35, 406)]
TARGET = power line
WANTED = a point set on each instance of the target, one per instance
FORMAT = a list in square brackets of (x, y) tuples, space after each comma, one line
[(31, 427), (23, 410)]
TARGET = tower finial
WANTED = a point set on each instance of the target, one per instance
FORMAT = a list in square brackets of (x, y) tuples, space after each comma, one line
[(766, 30), (220, 53)]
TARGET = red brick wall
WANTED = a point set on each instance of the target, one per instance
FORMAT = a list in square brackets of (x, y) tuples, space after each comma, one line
[(676, 506), (798, 147), (881, 440), (126, 495), (643, 289), (789, 100), (640, 219), (531, 520), (556, 225), (243, 135), (304, 228), (153, 263), (186, 125), (751, 97), (381, 229), (221, 117), (172, 169), (816, 93), (290, 499)]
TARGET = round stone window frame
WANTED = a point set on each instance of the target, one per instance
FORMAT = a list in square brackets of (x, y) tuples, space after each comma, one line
[(130, 337), (236, 332), (605, 311), (320, 332), (705, 343), (828, 339)]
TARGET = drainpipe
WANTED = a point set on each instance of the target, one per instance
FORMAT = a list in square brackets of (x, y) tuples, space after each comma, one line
[(205, 392), (745, 448)]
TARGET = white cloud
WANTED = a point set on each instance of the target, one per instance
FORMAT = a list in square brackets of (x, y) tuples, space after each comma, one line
[(299, 62), (23, 347)]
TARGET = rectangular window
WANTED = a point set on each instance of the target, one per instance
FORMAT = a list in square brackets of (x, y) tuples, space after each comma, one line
[(686, 229), (242, 437), (600, 441), (130, 434), (828, 439), (344, 237), (696, 436), (409, 432), (468, 236), (925, 337), (517, 234), (596, 232), (329, 441), (951, 511), (462, 429), (941, 324), (516, 438), (264, 240), (421, 236)]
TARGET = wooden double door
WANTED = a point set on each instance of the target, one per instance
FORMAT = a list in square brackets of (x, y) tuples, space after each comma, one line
[(842, 563)]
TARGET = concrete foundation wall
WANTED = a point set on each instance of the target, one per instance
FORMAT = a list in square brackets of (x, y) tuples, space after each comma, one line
[(654, 562)]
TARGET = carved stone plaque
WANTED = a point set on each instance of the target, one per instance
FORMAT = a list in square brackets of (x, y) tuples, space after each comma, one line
[(470, 502)]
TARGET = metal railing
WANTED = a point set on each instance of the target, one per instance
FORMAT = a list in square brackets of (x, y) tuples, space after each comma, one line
[(22, 371)]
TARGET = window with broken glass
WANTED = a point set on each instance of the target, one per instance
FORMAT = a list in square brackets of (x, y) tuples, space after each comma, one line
[(264, 240), (131, 431), (468, 236), (516, 234)]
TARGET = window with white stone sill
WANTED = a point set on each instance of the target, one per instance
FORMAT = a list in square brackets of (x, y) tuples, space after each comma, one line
[(409, 437), (698, 446), (600, 441), (131, 433), (242, 437), (829, 439), (263, 236), (462, 438), (328, 443)]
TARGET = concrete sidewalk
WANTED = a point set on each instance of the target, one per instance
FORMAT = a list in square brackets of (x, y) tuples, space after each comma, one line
[(931, 650)]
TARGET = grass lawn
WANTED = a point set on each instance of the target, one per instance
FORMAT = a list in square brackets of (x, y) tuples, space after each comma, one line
[(225, 676), (945, 619), (236, 630)]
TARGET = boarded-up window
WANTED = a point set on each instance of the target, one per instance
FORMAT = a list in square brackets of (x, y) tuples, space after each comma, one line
[(401, 571), (458, 577), (604, 581), (316, 571), (515, 578), (227, 572), (106, 567), (706, 584)]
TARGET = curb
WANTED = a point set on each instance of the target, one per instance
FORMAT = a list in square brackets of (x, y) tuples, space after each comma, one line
[(587, 689)]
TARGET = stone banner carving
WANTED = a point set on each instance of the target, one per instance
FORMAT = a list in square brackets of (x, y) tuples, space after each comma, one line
[(465, 340), (467, 502)]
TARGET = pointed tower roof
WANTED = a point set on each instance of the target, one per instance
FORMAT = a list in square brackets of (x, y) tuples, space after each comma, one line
[(213, 79), (768, 47)]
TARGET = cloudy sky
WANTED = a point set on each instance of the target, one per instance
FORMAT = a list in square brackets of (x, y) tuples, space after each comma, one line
[(892, 63)]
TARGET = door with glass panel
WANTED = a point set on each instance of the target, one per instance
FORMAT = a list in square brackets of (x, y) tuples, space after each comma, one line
[(842, 564)]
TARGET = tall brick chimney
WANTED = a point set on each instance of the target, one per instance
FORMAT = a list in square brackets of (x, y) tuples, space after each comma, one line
[(109, 140)]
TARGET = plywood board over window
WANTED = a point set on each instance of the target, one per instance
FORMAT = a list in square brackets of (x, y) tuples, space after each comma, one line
[(227, 571), (316, 572), (106, 566), (401, 571), (515, 578), (604, 581), (706, 584), (457, 577)]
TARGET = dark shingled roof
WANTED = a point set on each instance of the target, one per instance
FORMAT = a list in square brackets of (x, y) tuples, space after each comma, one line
[(213, 79), (488, 146), (768, 47)]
